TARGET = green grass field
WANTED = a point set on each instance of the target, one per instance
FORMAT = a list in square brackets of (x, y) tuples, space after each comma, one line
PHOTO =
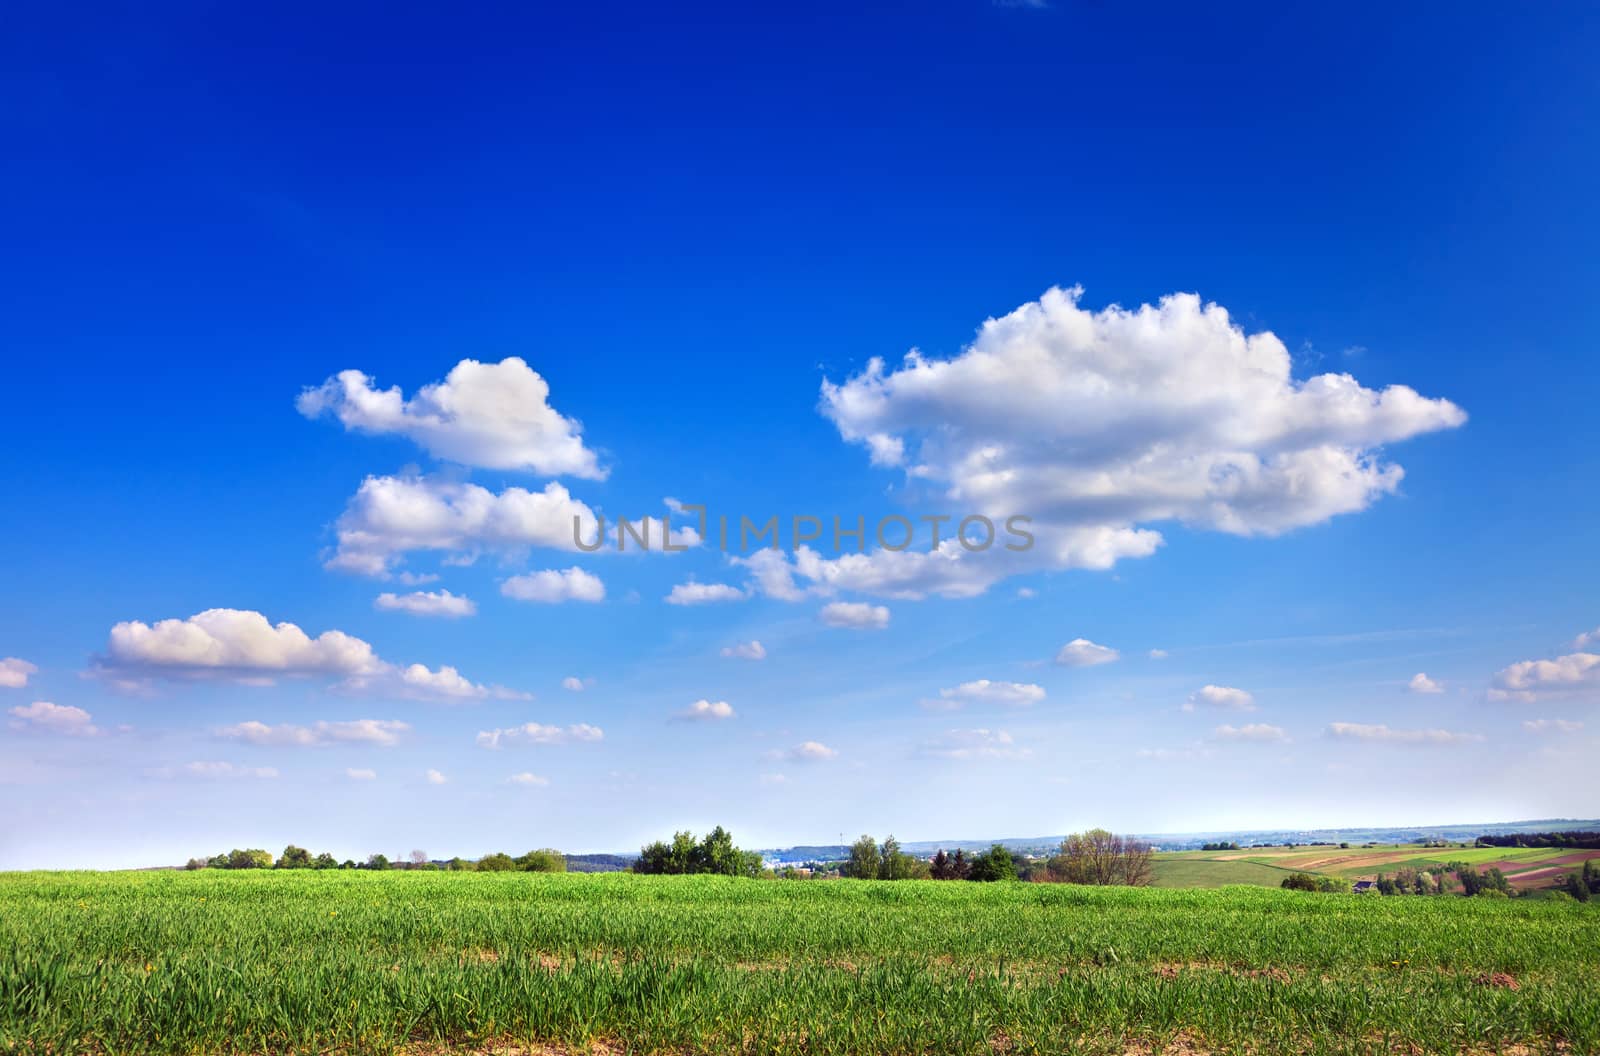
[(1267, 866), (355, 962)]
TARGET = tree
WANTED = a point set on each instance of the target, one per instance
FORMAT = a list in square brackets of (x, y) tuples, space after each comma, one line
[(864, 861), (543, 861), (294, 858), (324, 861), (196, 863), (377, 861), (715, 853), (251, 859), (1104, 858), (995, 865), (1299, 882), (897, 865), (496, 863), (1577, 887), (419, 858)]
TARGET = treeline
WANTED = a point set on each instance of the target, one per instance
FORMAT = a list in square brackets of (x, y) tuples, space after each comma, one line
[(1583, 885), (1454, 878), (714, 854), (1094, 857), (544, 860), (1580, 840)]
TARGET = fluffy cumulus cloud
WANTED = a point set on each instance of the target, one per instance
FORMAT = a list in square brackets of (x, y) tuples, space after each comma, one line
[(1098, 423), (856, 615), (1223, 698), (1586, 639), (705, 711), (493, 415), (528, 780), (1421, 683), (985, 691), (435, 777), (751, 650), (809, 752), (538, 733), (692, 593), (1552, 726), (14, 672), (390, 517), (1081, 652), (1573, 675), (44, 717), (973, 744), (1259, 732), (573, 684), (1380, 734), (427, 603), (554, 586), (384, 733), (419, 680), (233, 643)]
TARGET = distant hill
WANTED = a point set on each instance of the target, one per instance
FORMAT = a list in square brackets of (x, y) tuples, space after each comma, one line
[(599, 863), (1194, 840)]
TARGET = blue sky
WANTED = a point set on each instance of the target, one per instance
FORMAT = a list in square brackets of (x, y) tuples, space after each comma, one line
[(660, 250)]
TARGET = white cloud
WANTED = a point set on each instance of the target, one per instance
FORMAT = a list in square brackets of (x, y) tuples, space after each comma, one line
[(705, 711), (774, 779), (984, 691), (1421, 683), (1355, 731), (385, 733), (358, 774), (491, 415), (1255, 731), (1157, 654), (692, 593), (1552, 726), (751, 650), (218, 770), (554, 586), (427, 603), (434, 777), (390, 517), (528, 780), (1585, 639), (855, 614), (234, 643), (421, 681), (1081, 652), (537, 733), (1172, 754), (1094, 423), (1225, 698), (1026, 592), (14, 672), (572, 684), (45, 717), (973, 744), (1532, 680), (809, 752)]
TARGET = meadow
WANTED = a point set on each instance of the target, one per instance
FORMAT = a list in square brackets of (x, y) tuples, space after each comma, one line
[(1527, 868), (430, 962)]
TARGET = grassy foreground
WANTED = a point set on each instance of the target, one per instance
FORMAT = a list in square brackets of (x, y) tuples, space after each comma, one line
[(254, 962)]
